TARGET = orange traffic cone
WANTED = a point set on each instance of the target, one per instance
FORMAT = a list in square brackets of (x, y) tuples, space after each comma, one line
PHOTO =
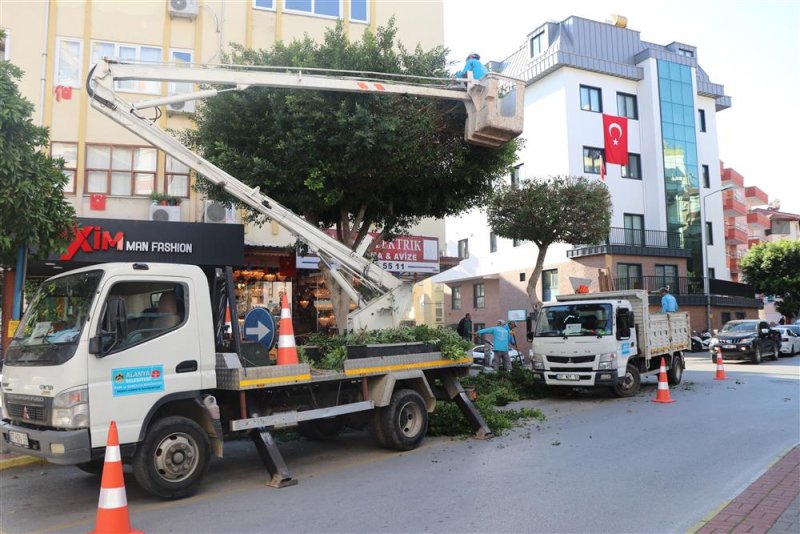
[(720, 368), (287, 349), (112, 509), (663, 386)]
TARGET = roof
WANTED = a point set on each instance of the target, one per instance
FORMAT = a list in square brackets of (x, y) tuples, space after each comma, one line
[(779, 215)]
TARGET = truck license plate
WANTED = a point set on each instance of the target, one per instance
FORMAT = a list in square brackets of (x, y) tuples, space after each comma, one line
[(728, 346), (567, 377), (18, 438)]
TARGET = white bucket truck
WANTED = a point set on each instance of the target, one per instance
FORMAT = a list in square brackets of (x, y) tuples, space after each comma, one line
[(608, 339)]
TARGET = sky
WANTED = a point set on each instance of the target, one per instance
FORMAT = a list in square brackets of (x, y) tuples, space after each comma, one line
[(750, 47)]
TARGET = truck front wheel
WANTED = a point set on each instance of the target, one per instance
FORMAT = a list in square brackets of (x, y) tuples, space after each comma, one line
[(173, 457), (403, 423), (629, 385)]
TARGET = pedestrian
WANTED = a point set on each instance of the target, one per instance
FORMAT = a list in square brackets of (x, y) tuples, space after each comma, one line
[(500, 338), (464, 327), (782, 321), (668, 302), (474, 66), (512, 341)]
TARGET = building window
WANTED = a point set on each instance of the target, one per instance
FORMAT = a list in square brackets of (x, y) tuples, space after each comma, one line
[(712, 273), (516, 242), (129, 52), (120, 170), (359, 11), (740, 316), (634, 229), (264, 4), (706, 177), (438, 311), (591, 99), (478, 296), (633, 169), (478, 326), (177, 177), (626, 106), (537, 44), (455, 298), (69, 153), (492, 242), (592, 159), (667, 276), (709, 233), (685, 52), (549, 284), (726, 316), (321, 8), (68, 62), (463, 248), (179, 58), (629, 276), (521, 277), (5, 47), (701, 117), (516, 173)]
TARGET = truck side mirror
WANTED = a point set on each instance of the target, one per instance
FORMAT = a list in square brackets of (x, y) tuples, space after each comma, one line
[(113, 327), (623, 324), (529, 327)]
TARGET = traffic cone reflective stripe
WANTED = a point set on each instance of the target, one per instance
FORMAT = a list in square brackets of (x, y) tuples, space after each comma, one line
[(112, 507), (663, 387), (720, 367), (287, 349)]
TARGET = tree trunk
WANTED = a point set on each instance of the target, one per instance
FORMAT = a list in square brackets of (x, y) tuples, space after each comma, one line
[(536, 303), (339, 299)]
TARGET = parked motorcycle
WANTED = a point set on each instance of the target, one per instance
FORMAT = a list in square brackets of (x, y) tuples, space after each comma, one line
[(700, 340)]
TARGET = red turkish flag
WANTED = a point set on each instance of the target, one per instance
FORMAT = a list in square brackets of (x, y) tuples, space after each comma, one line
[(97, 202), (615, 136)]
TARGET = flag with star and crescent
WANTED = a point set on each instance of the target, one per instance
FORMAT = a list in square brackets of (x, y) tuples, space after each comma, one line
[(615, 136)]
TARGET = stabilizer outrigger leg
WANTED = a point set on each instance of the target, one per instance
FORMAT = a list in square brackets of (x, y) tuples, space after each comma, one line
[(272, 458), (470, 411)]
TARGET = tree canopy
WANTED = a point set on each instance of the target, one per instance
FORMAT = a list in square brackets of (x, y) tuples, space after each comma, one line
[(558, 209), (359, 162), (774, 269), (33, 210)]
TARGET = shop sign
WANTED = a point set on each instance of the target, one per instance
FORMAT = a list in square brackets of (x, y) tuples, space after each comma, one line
[(404, 254)]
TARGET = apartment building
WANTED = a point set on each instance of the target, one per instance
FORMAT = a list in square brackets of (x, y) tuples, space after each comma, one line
[(667, 223)]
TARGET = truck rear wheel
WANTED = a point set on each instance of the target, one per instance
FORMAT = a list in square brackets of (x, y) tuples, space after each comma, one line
[(403, 423), (173, 457), (675, 373), (630, 383)]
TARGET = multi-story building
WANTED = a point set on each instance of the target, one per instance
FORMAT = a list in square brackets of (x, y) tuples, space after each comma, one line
[(667, 223)]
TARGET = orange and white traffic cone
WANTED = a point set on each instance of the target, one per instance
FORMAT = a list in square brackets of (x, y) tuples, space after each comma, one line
[(112, 509), (663, 386), (287, 349), (720, 367)]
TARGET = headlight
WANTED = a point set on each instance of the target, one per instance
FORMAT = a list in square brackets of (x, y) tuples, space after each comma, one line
[(746, 340), (538, 361), (71, 408), (608, 361)]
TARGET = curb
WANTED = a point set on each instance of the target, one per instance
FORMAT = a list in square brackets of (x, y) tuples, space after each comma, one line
[(19, 461)]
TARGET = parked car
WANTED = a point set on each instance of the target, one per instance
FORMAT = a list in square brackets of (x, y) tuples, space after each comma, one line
[(747, 340), (790, 338), (478, 355)]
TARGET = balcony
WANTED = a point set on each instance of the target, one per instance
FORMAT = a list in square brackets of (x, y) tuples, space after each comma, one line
[(690, 292), (730, 176), (736, 234), (755, 239), (754, 196), (757, 220), (733, 204), (733, 263), (636, 242)]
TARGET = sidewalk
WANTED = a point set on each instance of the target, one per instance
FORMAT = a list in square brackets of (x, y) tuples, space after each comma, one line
[(10, 459), (771, 504)]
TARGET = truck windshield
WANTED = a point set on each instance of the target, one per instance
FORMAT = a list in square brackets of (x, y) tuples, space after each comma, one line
[(52, 325), (739, 328), (571, 320)]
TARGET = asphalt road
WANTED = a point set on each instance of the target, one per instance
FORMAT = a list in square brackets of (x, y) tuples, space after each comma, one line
[(598, 464)]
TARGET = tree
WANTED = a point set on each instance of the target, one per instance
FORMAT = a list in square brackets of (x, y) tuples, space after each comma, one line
[(358, 162), (774, 269), (33, 210), (559, 209)]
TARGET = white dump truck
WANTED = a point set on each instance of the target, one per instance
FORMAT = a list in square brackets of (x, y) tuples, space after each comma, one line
[(607, 339), (142, 343)]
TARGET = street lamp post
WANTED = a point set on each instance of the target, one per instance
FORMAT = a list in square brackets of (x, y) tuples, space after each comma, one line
[(706, 281)]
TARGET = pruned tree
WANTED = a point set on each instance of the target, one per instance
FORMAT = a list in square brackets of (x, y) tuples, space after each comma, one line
[(558, 209), (356, 162), (774, 269)]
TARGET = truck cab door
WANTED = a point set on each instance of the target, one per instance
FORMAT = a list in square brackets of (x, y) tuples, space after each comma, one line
[(625, 333), (144, 345)]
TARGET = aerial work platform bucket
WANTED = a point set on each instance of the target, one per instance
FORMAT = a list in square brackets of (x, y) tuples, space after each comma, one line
[(495, 114)]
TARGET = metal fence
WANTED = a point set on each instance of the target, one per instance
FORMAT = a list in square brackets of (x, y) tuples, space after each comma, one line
[(682, 285)]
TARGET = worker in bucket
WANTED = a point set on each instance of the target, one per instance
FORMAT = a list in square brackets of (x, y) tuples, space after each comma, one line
[(474, 66)]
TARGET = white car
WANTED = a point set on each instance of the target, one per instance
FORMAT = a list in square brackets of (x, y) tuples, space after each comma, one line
[(790, 338), (477, 355)]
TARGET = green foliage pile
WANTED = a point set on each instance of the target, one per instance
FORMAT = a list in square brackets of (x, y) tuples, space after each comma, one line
[(333, 351), (494, 390)]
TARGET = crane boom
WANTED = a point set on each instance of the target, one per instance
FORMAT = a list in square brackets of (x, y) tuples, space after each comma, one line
[(394, 296)]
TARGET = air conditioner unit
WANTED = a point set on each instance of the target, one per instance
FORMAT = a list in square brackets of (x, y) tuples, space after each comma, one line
[(165, 213), (181, 107), (219, 212), (183, 8)]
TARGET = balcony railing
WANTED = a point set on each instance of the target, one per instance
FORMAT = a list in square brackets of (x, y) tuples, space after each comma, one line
[(682, 285), (644, 238)]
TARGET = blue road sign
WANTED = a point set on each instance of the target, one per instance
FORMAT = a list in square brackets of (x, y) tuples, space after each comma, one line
[(259, 326)]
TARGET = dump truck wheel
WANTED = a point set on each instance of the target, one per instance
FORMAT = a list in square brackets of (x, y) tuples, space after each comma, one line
[(675, 373), (629, 386), (404, 422)]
